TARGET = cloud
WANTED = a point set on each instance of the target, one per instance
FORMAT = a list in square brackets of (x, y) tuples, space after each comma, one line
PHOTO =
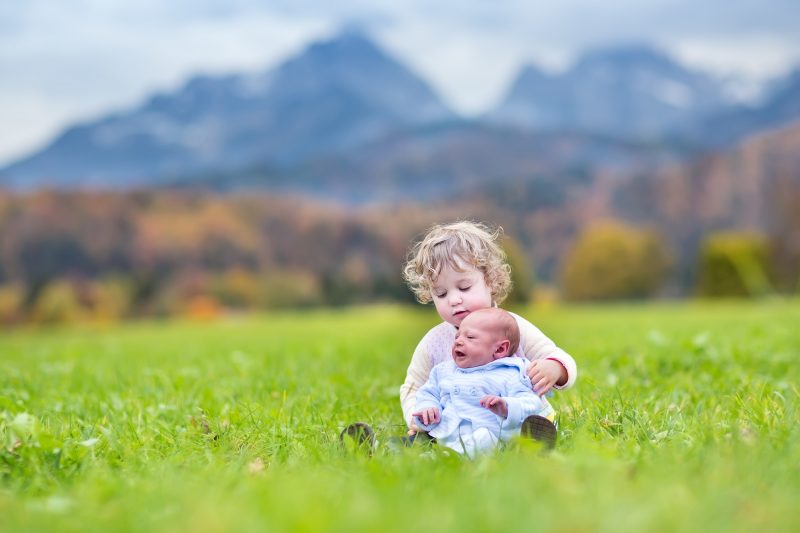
[(69, 62), (76, 59)]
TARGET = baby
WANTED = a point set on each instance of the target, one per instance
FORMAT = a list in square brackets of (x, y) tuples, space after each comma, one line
[(483, 394)]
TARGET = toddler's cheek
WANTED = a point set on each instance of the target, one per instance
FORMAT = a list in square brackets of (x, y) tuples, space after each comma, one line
[(447, 317)]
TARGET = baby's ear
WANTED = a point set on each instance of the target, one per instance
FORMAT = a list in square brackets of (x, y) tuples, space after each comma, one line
[(502, 349)]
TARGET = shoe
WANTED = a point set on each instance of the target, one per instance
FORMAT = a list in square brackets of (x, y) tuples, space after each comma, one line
[(360, 435), (541, 430), (421, 438)]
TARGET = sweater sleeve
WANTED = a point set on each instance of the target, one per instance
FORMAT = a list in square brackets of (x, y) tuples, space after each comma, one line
[(523, 402), (417, 374), (536, 345), (428, 395)]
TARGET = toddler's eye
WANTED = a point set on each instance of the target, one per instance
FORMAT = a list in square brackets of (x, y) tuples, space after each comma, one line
[(440, 294), (465, 289)]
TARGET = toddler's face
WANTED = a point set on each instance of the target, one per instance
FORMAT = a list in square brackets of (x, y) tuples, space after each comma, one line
[(456, 294), (477, 341)]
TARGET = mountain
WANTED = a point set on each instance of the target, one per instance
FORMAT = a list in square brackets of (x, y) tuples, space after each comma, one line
[(344, 120), (447, 160), (626, 91), (335, 95), (779, 108)]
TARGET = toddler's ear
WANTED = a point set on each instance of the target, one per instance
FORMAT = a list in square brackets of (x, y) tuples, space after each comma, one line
[(502, 349)]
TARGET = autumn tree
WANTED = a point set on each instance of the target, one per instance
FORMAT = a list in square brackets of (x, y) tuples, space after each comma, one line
[(521, 272), (613, 260), (784, 233)]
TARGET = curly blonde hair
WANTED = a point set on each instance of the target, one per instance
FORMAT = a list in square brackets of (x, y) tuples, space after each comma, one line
[(453, 245)]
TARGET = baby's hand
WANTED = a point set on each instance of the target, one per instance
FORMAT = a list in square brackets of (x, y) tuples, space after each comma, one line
[(544, 373), (428, 416), (495, 404)]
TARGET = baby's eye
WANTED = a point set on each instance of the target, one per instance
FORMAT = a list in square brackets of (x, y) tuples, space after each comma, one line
[(468, 287), (440, 294)]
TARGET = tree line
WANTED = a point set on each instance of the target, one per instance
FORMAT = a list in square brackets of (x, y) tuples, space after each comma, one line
[(112, 255)]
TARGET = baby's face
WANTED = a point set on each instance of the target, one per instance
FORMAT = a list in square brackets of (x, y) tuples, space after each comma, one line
[(477, 341)]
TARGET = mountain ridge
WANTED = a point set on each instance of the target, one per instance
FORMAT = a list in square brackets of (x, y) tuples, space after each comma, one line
[(341, 98), (228, 121), (630, 91)]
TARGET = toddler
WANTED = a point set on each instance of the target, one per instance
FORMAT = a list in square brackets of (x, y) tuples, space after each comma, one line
[(462, 269), (482, 394)]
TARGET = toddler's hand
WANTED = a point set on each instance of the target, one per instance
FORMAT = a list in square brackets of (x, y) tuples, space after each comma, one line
[(544, 373), (495, 404), (428, 416)]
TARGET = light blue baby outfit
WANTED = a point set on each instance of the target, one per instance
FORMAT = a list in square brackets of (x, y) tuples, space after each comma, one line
[(465, 425)]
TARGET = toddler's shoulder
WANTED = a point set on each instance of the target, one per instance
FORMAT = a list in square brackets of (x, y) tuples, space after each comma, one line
[(520, 319), (526, 327)]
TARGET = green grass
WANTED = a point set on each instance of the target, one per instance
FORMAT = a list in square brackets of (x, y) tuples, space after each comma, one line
[(685, 416)]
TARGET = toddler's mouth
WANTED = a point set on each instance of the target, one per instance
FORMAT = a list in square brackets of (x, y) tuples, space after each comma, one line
[(461, 313)]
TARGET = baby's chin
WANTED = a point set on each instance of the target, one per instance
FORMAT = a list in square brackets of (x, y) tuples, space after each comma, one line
[(465, 361), (461, 361)]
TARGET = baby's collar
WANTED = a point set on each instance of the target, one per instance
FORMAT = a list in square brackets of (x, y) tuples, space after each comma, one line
[(511, 360)]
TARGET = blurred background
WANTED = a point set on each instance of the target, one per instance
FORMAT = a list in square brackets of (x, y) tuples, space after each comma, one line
[(208, 157)]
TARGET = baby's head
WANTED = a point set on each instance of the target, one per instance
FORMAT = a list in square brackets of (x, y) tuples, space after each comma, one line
[(485, 335), (461, 259)]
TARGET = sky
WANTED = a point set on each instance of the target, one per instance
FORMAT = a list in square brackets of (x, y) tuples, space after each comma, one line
[(68, 61)]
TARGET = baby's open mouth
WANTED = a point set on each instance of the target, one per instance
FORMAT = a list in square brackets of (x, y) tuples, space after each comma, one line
[(459, 353)]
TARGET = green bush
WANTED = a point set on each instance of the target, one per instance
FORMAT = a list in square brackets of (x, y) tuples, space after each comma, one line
[(289, 289), (111, 299), (734, 264), (237, 289), (612, 260), (58, 302)]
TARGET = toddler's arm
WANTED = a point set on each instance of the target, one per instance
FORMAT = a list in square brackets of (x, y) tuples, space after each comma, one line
[(538, 347), (545, 374)]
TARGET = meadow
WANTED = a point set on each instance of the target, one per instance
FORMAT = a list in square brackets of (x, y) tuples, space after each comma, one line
[(684, 417)]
